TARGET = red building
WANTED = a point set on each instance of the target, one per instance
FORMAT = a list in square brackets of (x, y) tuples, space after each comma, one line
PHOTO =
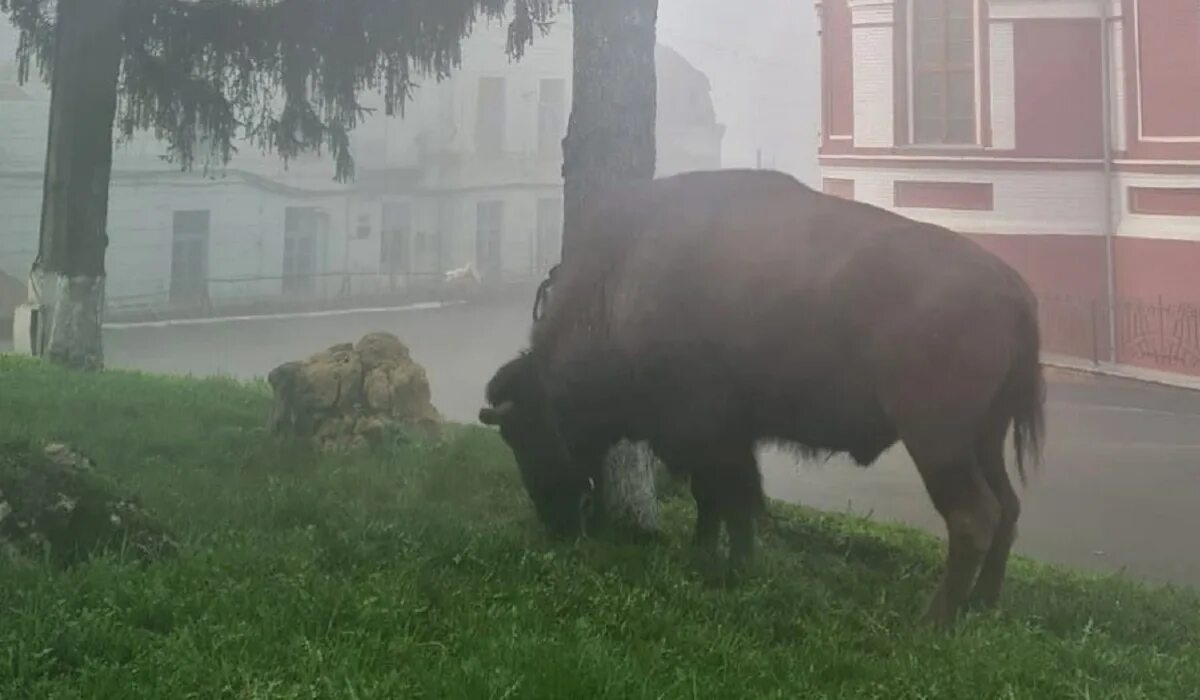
[(1064, 135)]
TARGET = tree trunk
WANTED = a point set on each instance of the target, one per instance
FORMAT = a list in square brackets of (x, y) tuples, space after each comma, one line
[(630, 499), (611, 140), (87, 61)]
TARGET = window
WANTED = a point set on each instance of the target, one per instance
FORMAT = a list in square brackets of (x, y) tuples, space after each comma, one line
[(549, 232), (300, 233), (838, 70), (490, 118), (552, 108), (362, 229), (489, 233), (189, 257), (943, 71), (394, 238), (1168, 70)]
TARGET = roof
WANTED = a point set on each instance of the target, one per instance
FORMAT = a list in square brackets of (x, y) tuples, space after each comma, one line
[(684, 91)]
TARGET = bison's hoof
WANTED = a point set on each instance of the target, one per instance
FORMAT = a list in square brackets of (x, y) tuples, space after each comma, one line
[(939, 615), (709, 566)]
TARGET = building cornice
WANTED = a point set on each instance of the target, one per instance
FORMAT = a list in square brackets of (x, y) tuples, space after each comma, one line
[(872, 12), (1008, 10)]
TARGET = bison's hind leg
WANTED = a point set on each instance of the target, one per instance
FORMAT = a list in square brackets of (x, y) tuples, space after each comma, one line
[(972, 513), (990, 454), (708, 512)]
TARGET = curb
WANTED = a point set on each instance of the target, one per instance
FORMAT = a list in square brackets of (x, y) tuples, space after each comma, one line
[(1134, 374), (210, 320)]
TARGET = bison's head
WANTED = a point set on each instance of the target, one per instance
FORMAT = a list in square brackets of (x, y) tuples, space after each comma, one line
[(563, 494)]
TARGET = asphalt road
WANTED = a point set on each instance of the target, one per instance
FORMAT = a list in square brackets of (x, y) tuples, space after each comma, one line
[(1119, 490)]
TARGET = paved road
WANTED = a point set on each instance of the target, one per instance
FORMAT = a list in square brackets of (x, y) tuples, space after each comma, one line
[(1120, 488)]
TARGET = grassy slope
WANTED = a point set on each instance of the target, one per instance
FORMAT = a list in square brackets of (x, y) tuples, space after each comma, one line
[(420, 573)]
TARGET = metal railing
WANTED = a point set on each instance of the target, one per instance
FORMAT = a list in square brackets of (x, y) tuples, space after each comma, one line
[(220, 296), (1154, 333)]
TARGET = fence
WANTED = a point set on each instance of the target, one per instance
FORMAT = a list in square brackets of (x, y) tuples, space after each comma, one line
[(1155, 334), (315, 292)]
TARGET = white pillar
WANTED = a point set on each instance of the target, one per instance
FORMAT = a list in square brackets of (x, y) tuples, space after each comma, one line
[(1004, 85), (873, 26), (1117, 75)]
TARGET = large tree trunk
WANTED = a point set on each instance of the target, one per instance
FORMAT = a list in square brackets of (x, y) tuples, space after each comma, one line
[(611, 140), (70, 265)]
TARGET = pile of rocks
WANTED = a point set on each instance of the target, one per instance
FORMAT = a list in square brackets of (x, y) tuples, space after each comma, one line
[(53, 502), (353, 396)]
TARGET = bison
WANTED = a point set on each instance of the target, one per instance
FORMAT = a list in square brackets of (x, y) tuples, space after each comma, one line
[(708, 313)]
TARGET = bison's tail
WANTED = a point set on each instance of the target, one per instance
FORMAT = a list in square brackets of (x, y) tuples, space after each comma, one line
[(1026, 391)]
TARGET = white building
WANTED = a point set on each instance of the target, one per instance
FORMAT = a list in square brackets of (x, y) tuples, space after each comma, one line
[(470, 175)]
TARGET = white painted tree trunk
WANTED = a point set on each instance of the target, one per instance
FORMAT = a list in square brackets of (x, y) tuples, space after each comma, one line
[(75, 323), (630, 501), (611, 140), (88, 47)]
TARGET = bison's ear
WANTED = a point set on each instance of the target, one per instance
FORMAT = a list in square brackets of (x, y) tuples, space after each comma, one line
[(489, 415)]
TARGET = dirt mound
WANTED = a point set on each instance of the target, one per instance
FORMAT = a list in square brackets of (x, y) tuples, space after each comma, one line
[(53, 503), (351, 396)]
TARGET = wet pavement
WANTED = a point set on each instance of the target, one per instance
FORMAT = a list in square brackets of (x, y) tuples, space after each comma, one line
[(1119, 489)]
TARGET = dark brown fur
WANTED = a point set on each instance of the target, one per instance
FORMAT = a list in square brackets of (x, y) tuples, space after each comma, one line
[(709, 313)]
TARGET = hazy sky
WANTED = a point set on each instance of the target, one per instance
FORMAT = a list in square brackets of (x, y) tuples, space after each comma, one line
[(761, 56), (762, 60)]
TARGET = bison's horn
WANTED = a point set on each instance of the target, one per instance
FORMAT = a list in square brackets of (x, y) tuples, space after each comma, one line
[(495, 416)]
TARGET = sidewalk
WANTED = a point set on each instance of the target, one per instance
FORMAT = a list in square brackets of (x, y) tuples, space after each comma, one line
[(350, 311), (1117, 371)]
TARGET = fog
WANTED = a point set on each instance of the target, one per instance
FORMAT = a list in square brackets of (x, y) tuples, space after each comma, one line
[(1122, 454), (763, 61)]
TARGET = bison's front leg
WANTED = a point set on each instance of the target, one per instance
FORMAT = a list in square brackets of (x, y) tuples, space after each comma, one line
[(686, 459), (743, 501), (708, 515), (728, 488), (740, 524)]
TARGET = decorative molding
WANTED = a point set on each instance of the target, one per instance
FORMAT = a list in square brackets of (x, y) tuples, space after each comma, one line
[(872, 12), (958, 196), (1007, 10), (838, 187), (1164, 201)]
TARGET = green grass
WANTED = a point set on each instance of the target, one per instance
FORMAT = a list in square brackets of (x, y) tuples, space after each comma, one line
[(420, 572)]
